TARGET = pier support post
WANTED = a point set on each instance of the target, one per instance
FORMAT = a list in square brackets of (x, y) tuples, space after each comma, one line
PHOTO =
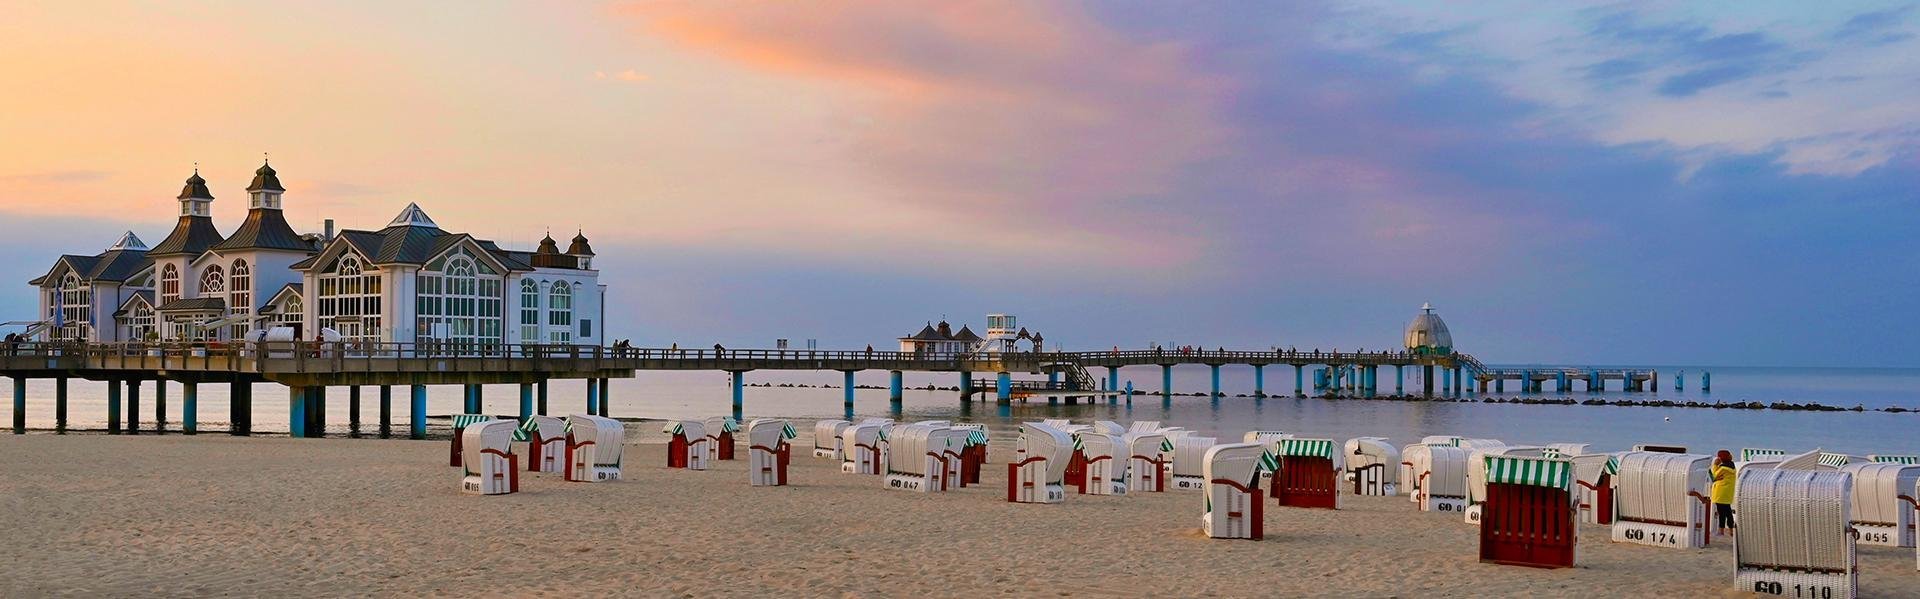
[(1166, 382), (543, 397), (1446, 382), (317, 412), (60, 405), (526, 402), (297, 400), (1299, 378), (739, 393), (1653, 381), (386, 411), (353, 410), (1367, 374), (846, 389), (1426, 381), (113, 407), (1259, 381), (1706, 381), (477, 398), (894, 383), (1003, 387), (160, 406), (1053, 382), (1113, 382), (19, 406), (1216, 380), (606, 398), (417, 412), (1399, 379), (1458, 381), (133, 406), (1560, 383), (190, 408), (1499, 385), (593, 397), (240, 408), (966, 386)]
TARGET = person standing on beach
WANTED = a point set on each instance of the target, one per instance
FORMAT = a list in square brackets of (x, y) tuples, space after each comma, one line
[(1723, 475)]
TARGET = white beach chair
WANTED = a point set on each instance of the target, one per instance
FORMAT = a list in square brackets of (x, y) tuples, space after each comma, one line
[(1109, 427), (720, 441), (1106, 469), (489, 466), (1660, 448), (1567, 450), (826, 439), (1838, 460), (1144, 426), (1751, 454), (688, 446), (546, 438), (1037, 477), (1232, 504), (910, 466), (1664, 500), (1190, 461), (1147, 466), (768, 451), (594, 448), (1883, 502), (1438, 476), (862, 447), (1477, 473), (972, 455), (1795, 535), (1895, 459), (1270, 439), (1373, 466)]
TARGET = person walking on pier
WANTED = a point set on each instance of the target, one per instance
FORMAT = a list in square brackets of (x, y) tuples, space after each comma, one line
[(1723, 478)]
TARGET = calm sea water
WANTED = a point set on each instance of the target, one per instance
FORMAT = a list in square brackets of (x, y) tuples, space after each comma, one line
[(699, 395)]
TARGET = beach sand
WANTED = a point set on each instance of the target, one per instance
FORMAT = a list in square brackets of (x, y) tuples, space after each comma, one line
[(218, 515)]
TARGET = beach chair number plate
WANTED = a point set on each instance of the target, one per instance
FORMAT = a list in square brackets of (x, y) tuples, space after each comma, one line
[(1777, 588), (1875, 535), (1189, 483), (1799, 585), (1645, 534)]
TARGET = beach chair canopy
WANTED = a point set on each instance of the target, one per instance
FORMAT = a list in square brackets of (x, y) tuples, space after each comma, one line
[(1444, 466), (865, 433), (769, 432), (1590, 467), (1477, 466), (1895, 459), (720, 424), (1538, 471), (496, 435), (1096, 444), (1038, 439), (1878, 488), (1144, 426), (1750, 454), (608, 436), (1567, 450), (1238, 462), (1146, 444), (826, 431), (691, 429), (1661, 487), (908, 445), (1190, 454), (1366, 452), (1108, 427), (548, 427)]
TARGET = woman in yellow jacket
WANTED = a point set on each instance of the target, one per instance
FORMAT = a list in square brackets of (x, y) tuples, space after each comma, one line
[(1723, 473)]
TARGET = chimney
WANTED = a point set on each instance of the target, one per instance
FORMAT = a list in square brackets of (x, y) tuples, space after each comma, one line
[(329, 230)]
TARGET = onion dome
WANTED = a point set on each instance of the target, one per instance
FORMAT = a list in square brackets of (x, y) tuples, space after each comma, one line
[(1427, 334), (265, 179), (196, 188), (548, 247), (579, 247)]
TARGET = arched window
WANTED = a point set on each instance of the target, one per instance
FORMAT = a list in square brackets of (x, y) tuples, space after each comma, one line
[(76, 309), (169, 284), (292, 312), (140, 323), (460, 299), (560, 313), (349, 300), (530, 311), (213, 282), (240, 299)]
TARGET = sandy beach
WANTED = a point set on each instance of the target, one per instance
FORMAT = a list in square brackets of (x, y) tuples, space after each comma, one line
[(217, 515)]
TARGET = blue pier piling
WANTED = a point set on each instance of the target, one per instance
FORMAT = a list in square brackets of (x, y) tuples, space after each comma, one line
[(739, 394), (317, 412), (966, 385), (1299, 379), (1399, 380), (1499, 385), (1053, 382), (297, 400), (1259, 381), (542, 407), (1560, 384), (1369, 373), (1129, 394), (353, 410), (1166, 381), (1680, 381), (19, 406), (1446, 382), (1113, 383), (593, 398), (894, 386), (240, 408), (417, 412), (526, 402), (113, 407), (1459, 382), (133, 407), (190, 408), (1706, 381), (1595, 384), (477, 403), (847, 389), (1216, 380), (606, 398), (386, 411), (1003, 387)]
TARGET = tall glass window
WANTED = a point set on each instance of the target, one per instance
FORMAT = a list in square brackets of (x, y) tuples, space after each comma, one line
[(169, 284), (76, 309), (240, 299), (140, 323), (349, 297), (460, 300), (560, 313), (530, 311), (213, 282)]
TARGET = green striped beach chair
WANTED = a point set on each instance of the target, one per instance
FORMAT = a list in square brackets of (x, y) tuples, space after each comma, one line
[(1528, 518)]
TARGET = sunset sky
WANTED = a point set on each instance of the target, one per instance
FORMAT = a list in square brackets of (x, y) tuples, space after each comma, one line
[(1690, 183)]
